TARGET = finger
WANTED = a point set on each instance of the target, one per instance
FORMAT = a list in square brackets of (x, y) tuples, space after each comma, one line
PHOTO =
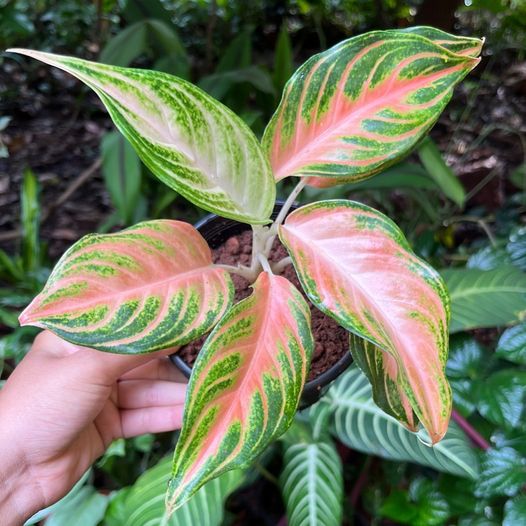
[(136, 394), (102, 367), (136, 422), (160, 369)]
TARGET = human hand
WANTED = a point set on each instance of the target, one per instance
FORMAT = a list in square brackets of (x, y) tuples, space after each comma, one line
[(63, 406)]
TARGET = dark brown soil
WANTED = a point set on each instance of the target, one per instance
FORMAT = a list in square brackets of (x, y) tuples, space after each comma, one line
[(331, 340)]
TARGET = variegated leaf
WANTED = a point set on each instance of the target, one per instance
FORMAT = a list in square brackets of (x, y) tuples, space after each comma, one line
[(382, 371), (356, 266), (146, 288), (357, 108), (189, 140), (245, 385), (471, 47)]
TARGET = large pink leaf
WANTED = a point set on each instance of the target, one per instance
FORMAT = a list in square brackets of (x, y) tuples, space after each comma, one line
[(360, 106), (355, 265), (245, 385), (146, 288)]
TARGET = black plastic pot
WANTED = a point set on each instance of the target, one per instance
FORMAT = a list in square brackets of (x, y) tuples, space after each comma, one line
[(216, 230)]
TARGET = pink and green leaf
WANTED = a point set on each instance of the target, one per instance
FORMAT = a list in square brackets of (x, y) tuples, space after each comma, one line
[(355, 265), (245, 386), (149, 287), (460, 45), (190, 141), (359, 107)]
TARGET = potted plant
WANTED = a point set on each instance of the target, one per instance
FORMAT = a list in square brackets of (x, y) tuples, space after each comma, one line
[(346, 114)]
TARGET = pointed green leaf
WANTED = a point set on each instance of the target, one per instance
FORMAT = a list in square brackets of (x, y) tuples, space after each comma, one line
[(146, 288), (144, 503), (311, 479), (485, 298), (245, 385), (512, 344), (515, 511), (502, 398), (361, 425), (503, 472), (190, 141), (437, 168), (353, 110)]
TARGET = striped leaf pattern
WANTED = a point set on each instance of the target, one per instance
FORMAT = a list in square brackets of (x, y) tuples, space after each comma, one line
[(382, 371), (245, 385), (312, 479), (146, 288), (361, 425), (144, 504), (485, 298), (355, 109), (190, 141), (470, 47), (355, 265)]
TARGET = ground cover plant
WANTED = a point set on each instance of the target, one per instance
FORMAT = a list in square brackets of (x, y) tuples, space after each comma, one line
[(345, 115)]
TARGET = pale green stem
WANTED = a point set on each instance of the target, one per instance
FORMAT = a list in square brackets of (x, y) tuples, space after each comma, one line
[(278, 267), (264, 263), (273, 230)]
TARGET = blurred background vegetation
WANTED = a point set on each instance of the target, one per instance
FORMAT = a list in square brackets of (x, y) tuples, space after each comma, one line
[(460, 199)]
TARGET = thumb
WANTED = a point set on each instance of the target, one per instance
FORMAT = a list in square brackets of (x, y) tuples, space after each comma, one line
[(95, 366)]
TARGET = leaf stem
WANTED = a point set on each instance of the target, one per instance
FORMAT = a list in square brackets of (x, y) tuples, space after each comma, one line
[(470, 431), (289, 202), (273, 230), (240, 270), (264, 263), (278, 267)]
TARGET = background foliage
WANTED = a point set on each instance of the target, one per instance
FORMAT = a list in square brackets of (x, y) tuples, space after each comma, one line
[(460, 201)]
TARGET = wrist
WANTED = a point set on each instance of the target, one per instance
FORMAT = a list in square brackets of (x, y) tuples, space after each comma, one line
[(20, 498)]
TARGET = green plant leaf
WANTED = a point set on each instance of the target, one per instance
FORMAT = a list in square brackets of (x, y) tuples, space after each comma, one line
[(238, 54), (144, 504), (422, 505), (283, 63), (502, 398), (466, 357), (30, 218), (219, 84), (515, 511), (512, 344), (146, 36), (360, 106), (360, 424), (485, 298), (245, 385), (503, 472), (149, 287), (355, 265), (121, 169), (82, 502), (312, 479), (190, 141), (516, 248), (489, 258), (443, 175)]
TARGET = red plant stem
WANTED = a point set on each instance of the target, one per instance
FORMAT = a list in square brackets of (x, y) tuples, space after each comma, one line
[(470, 431)]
